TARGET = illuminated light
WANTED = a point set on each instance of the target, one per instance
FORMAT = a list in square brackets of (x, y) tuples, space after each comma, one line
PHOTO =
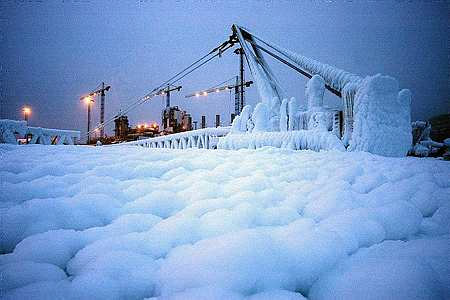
[(205, 94), (217, 90), (88, 99), (197, 94), (155, 125), (26, 110)]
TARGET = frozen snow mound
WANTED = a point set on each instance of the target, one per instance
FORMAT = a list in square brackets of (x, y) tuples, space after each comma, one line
[(295, 140), (132, 223), (382, 121)]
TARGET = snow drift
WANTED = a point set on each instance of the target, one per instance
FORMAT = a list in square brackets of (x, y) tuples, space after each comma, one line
[(132, 223)]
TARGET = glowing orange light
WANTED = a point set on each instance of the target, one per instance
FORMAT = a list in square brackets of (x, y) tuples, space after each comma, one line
[(88, 100), (26, 110)]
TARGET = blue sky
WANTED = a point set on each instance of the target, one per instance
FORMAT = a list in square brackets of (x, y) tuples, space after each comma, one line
[(55, 51)]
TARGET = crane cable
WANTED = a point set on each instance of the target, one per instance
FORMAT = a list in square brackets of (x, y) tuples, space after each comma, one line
[(170, 81)]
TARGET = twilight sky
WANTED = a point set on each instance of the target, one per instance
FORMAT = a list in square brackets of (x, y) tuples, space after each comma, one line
[(52, 52)]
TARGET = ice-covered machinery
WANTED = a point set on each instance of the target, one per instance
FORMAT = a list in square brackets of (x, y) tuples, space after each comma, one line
[(376, 114)]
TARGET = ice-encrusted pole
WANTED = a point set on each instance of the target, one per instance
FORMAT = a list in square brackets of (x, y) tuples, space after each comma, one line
[(267, 85)]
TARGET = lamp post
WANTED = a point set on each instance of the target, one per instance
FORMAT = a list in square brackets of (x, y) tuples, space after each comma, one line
[(88, 100), (26, 113)]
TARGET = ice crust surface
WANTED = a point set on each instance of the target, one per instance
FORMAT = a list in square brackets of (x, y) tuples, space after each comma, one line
[(132, 223)]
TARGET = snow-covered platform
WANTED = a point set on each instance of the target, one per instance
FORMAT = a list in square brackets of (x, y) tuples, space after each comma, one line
[(129, 223), (46, 136)]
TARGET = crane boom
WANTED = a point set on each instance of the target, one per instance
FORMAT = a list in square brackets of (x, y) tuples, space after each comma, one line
[(217, 89)]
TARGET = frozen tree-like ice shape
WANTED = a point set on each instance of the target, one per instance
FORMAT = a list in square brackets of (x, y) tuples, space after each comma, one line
[(382, 123)]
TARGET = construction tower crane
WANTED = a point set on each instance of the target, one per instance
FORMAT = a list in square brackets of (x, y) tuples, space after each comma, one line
[(218, 89), (166, 91), (101, 91), (238, 108)]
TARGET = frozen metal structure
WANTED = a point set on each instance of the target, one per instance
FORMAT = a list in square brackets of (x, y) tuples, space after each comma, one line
[(206, 138), (45, 136), (375, 116)]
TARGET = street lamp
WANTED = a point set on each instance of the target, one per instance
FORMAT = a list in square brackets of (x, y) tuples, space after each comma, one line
[(26, 112), (88, 100)]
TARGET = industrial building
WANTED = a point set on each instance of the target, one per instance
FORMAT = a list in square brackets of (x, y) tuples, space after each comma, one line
[(175, 120), (123, 132)]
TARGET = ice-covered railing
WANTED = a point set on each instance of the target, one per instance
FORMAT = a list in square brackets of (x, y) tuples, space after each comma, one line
[(10, 129), (206, 138), (376, 114), (295, 140)]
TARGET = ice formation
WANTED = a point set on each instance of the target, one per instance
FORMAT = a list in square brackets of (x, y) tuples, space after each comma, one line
[(293, 114), (267, 85), (296, 140), (130, 222), (8, 129), (315, 89), (376, 114), (422, 144), (261, 118), (382, 123), (284, 115)]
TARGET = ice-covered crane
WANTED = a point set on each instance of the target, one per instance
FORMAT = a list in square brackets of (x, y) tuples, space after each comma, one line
[(376, 114)]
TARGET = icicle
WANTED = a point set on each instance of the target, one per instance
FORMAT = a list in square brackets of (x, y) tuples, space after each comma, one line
[(283, 115), (236, 125), (292, 114), (245, 116), (260, 117), (315, 89)]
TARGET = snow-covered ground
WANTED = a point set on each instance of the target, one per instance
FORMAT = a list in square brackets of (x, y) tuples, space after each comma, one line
[(131, 223)]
